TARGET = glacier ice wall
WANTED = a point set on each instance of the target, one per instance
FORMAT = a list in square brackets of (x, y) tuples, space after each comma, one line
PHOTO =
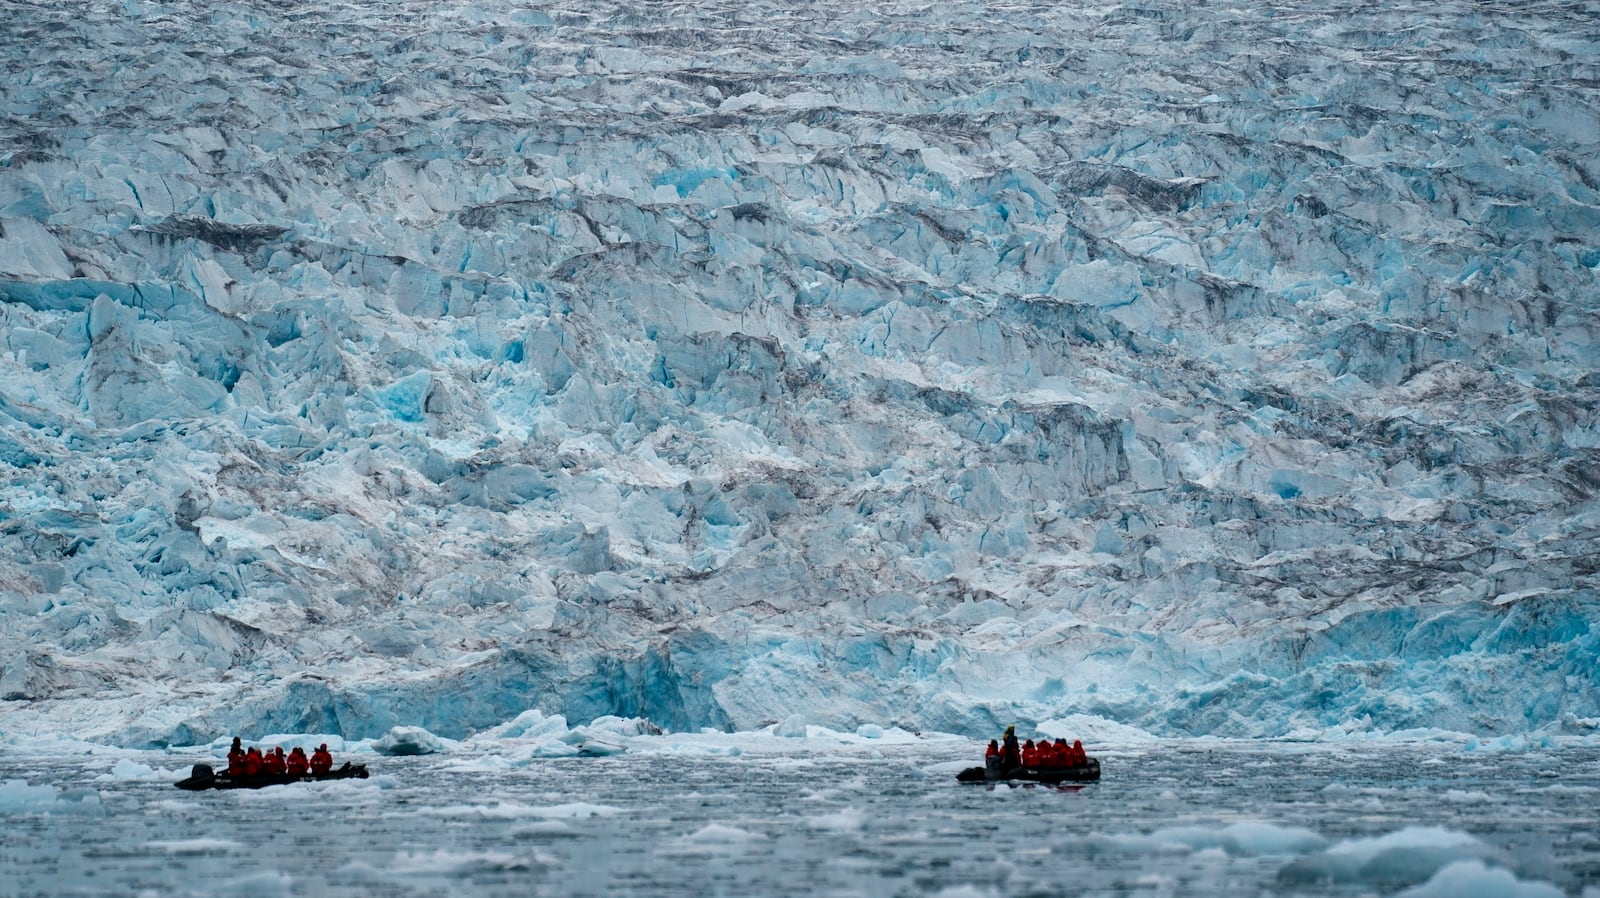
[(1227, 369)]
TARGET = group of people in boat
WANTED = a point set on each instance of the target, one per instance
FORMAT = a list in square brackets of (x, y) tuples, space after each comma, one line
[(255, 762), (1005, 753)]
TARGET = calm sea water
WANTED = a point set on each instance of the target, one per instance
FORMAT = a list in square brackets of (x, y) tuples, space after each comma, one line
[(1174, 820)]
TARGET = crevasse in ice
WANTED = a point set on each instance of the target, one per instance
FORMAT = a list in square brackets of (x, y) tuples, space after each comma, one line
[(1213, 370)]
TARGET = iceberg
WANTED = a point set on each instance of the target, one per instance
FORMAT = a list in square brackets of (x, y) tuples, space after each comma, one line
[(408, 741)]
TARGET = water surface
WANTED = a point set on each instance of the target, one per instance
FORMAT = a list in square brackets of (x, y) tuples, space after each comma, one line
[(1180, 819)]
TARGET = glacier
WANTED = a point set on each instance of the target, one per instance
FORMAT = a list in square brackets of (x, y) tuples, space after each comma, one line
[(1224, 370)]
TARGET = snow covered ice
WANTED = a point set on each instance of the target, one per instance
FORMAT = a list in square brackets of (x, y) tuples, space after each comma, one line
[(1204, 370)]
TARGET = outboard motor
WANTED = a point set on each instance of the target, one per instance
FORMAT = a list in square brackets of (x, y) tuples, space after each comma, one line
[(201, 772)]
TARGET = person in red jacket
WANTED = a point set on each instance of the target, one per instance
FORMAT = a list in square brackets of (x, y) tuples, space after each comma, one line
[(993, 751), (273, 762), (321, 760), (252, 762), (1063, 753), (1047, 755), (297, 764), (1079, 756), (1030, 754), (236, 759)]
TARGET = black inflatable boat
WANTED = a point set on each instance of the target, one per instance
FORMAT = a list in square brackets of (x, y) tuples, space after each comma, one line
[(1088, 772), (203, 777)]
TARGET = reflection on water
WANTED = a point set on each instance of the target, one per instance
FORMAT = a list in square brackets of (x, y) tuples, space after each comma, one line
[(1176, 820)]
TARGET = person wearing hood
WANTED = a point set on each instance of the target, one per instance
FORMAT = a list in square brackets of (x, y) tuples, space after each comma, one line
[(297, 764), (321, 760), (1010, 751), (236, 758)]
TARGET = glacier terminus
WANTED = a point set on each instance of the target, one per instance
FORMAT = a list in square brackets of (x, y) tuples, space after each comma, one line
[(1203, 370)]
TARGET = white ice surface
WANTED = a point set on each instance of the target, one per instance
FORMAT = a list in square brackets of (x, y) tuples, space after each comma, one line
[(1171, 371)]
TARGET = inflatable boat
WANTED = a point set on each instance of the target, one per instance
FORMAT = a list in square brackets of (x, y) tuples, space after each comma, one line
[(203, 777), (1087, 772)]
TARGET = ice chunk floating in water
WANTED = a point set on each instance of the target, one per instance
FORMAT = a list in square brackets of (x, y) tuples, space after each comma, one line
[(403, 741)]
